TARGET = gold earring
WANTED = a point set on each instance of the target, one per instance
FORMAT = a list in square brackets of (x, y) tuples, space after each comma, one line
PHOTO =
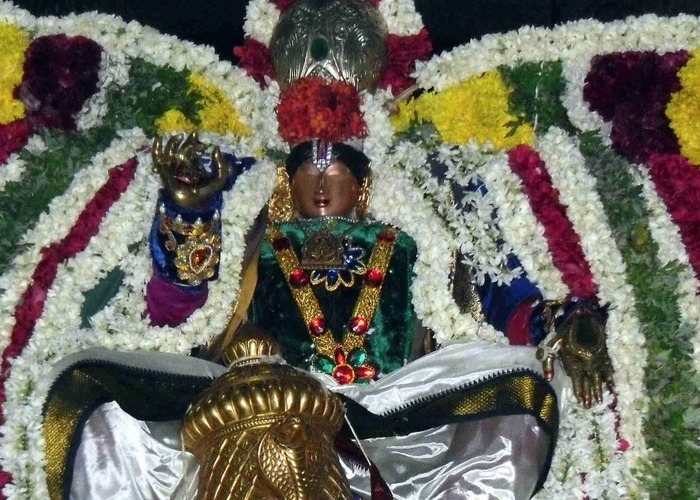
[(281, 206), (363, 200)]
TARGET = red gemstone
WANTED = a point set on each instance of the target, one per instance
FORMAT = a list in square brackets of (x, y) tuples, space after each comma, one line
[(317, 326), (344, 374), (549, 375), (366, 372), (340, 358), (387, 236), (374, 277), (298, 278), (359, 325), (199, 257), (281, 243)]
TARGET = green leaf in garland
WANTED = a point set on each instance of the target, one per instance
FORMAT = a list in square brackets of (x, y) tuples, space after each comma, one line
[(537, 90), (98, 298), (671, 381), (152, 90), (48, 175)]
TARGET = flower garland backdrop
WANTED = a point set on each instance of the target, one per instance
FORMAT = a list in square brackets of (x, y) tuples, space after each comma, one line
[(574, 148)]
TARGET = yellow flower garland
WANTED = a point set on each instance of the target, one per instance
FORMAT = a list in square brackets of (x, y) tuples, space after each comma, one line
[(683, 109), (13, 44), (476, 108), (216, 112), (174, 120)]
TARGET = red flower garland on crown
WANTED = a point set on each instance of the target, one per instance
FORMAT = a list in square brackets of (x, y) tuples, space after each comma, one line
[(312, 108), (254, 58), (402, 54)]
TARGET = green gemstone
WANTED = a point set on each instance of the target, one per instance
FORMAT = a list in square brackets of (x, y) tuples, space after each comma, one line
[(357, 357), (361, 381), (324, 364), (319, 48)]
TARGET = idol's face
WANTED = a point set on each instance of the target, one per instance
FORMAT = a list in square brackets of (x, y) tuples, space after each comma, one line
[(332, 193)]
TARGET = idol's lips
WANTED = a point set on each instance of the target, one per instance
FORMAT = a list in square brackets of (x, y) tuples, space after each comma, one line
[(321, 202)]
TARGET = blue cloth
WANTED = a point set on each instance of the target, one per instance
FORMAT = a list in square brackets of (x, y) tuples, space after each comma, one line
[(500, 301)]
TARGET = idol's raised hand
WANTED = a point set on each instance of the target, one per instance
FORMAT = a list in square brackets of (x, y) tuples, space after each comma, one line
[(179, 164)]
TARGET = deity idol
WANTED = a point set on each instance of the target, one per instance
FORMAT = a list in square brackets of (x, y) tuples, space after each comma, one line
[(333, 288)]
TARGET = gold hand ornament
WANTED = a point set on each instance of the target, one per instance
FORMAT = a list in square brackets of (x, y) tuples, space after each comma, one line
[(578, 337), (182, 173)]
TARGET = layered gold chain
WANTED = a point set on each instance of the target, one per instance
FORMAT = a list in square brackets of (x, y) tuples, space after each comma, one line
[(309, 307)]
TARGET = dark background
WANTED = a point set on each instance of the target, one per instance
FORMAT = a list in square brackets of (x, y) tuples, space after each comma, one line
[(450, 22)]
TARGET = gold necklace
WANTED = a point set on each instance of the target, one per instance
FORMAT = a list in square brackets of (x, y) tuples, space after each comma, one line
[(346, 362)]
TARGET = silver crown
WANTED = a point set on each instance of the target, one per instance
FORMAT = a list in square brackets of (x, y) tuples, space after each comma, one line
[(343, 40)]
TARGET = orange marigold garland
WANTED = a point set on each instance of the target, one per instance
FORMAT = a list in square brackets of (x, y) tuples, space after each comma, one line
[(312, 108)]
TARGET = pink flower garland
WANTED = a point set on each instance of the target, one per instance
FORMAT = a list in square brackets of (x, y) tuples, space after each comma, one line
[(563, 242), (87, 225), (678, 184), (31, 307)]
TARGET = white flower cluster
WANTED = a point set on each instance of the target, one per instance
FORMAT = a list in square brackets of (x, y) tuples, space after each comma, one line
[(574, 72), (113, 75), (472, 220), (404, 206), (625, 341), (401, 17), (577, 41), (260, 20), (671, 249), (11, 171)]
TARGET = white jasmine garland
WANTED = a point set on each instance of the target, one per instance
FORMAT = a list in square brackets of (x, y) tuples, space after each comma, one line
[(401, 18), (574, 72), (404, 206), (120, 325), (61, 315), (11, 14), (569, 42), (113, 74), (671, 249), (578, 194), (54, 224), (471, 222), (122, 41), (521, 228)]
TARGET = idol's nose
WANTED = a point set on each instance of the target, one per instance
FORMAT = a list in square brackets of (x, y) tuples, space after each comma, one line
[(320, 185)]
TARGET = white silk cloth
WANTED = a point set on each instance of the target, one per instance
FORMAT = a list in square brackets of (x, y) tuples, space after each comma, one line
[(497, 457)]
